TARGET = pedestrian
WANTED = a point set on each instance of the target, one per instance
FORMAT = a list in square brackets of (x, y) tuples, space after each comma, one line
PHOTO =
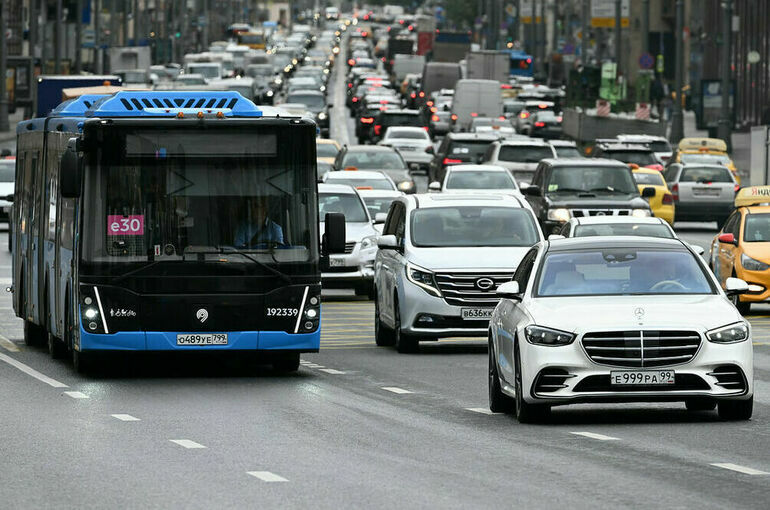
[(657, 95)]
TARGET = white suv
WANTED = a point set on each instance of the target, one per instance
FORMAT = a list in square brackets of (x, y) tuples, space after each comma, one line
[(440, 259)]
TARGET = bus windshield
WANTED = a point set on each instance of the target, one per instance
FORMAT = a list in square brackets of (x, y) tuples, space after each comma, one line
[(220, 198)]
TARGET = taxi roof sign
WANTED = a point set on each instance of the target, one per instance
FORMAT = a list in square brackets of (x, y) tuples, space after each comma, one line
[(699, 144), (753, 195)]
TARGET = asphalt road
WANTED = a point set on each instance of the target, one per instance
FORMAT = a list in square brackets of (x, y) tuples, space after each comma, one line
[(356, 426)]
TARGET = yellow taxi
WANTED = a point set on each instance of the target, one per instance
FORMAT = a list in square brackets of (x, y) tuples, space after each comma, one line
[(326, 150), (706, 151), (662, 203), (742, 247)]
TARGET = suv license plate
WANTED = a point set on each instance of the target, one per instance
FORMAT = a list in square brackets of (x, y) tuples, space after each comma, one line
[(476, 313), (202, 339), (336, 262), (642, 378)]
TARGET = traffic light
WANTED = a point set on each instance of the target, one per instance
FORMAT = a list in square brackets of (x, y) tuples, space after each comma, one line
[(178, 35)]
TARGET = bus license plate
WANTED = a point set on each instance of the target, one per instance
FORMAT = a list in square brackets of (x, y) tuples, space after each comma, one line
[(202, 339), (642, 378), (476, 313)]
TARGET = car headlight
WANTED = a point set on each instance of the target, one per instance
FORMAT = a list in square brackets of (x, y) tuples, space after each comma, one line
[(750, 264), (270, 93), (322, 116), (369, 243), (405, 185), (539, 335), (561, 215), (323, 88), (641, 213), (422, 278), (729, 334)]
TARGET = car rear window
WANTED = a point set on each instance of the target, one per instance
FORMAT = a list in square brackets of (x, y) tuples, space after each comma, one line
[(524, 153), (641, 158), (651, 179), (567, 152), (706, 174), (623, 229), (480, 180), (467, 151), (400, 119)]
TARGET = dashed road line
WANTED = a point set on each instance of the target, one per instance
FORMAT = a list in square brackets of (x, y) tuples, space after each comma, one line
[(480, 410), (32, 372), (76, 394), (332, 371), (8, 345), (593, 435), (740, 469), (267, 476), (187, 443), (125, 417), (396, 390)]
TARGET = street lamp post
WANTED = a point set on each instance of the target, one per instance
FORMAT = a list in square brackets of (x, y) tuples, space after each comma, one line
[(724, 127), (57, 39), (677, 117), (4, 125), (618, 39), (78, 36), (585, 19)]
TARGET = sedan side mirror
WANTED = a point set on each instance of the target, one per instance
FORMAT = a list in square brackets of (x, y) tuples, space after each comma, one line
[(434, 186), (728, 239), (334, 235), (389, 242), (648, 192), (735, 286), (509, 290)]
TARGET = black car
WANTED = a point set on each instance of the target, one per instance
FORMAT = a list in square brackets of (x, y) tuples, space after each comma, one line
[(544, 124), (396, 117), (581, 187), (315, 102), (456, 149)]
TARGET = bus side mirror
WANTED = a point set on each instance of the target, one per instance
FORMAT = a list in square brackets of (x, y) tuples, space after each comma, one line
[(70, 172), (334, 236)]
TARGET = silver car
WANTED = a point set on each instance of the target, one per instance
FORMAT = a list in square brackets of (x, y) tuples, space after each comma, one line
[(354, 268), (701, 192), (413, 143), (520, 157), (440, 259)]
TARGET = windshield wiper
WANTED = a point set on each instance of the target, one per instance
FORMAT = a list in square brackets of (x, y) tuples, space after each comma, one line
[(134, 271), (568, 190), (230, 249), (608, 189)]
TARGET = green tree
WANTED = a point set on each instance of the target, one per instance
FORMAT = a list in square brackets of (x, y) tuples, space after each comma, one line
[(461, 12)]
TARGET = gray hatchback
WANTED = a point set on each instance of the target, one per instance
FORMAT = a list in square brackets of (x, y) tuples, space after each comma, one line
[(701, 192)]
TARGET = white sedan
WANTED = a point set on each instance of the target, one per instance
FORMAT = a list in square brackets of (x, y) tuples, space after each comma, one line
[(482, 179), (618, 319)]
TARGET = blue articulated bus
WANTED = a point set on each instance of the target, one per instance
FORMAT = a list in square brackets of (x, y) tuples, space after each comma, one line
[(521, 64), (169, 221)]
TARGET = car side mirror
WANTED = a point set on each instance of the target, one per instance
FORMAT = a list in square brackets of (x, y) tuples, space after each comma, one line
[(380, 218), (334, 235), (531, 191), (728, 239), (70, 174), (735, 286), (555, 237), (434, 186), (509, 290), (648, 192), (388, 242)]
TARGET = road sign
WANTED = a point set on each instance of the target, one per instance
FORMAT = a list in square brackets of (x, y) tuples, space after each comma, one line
[(646, 61), (527, 12), (603, 13)]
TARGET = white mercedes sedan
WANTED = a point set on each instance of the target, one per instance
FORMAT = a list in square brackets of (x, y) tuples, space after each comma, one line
[(618, 319)]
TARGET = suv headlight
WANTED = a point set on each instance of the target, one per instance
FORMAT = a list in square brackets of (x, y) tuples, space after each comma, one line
[(750, 264), (561, 215), (369, 243), (730, 334), (641, 213), (422, 278), (539, 335)]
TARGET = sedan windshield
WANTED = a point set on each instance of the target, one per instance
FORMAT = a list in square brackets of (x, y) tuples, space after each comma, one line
[(621, 271), (348, 204), (623, 229), (591, 179), (468, 179), (374, 160), (473, 226)]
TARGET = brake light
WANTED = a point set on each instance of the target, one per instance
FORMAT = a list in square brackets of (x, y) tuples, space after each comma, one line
[(377, 129), (529, 61), (505, 86), (668, 199), (450, 161), (454, 116), (429, 103), (364, 33), (351, 62), (501, 117), (656, 166), (412, 95), (422, 94), (410, 28), (558, 119), (675, 192), (542, 106), (364, 187), (426, 128), (367, 120), (355, 99), (383, 58), (524, 115), (351, 168), (350, 85), (737, 187), (434, 118), (474, 114), (539, 124)]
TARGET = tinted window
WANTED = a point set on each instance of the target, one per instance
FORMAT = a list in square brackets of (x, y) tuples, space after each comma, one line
[(591, 179), (757, 228), (377, 205), (640, 158), (622, 271), (480, 180), (567, 152), (399, 119), (659, 146), (651, 179), (524, 154), (706, 174), (467, 151), (347, 204), (374, 160), (407, 134), (705, 159), (623, 229), (310, 100), (473, 226)]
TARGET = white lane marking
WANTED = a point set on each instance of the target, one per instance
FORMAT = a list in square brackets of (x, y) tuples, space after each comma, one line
[(32, 372), (124, 417), (76, 394), (480, 410), (8, 345), (398, 391), (592, 435), (332, 371), (740, 469), (266, 476), (313, 365), (187, 443)]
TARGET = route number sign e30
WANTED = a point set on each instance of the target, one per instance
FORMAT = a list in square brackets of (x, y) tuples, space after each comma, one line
[(132, 225)]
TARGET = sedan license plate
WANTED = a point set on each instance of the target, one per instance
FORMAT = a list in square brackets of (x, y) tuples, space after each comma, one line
[(476, 313), (642, 378), (202, 339)]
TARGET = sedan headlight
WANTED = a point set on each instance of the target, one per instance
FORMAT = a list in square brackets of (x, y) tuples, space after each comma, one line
[(369, 243), (561, 215), (405, 185), (539, 335), (322, 116), (641, 213), (750, 264), (422, 278), (730, 334)]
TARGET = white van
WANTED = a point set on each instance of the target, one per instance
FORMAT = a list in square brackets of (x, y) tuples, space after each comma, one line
[(407, 64), (475, 98)]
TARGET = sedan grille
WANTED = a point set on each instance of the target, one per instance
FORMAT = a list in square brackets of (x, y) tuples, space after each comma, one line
[(471, 289), (349, 247), (641, 349)]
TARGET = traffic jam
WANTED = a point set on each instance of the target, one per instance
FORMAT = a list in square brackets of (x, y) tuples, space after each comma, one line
[(335, 201)]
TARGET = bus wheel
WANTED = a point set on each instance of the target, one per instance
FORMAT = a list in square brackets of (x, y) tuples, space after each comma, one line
[(286, 362), (56, 347), (82, 361), (33, 334)]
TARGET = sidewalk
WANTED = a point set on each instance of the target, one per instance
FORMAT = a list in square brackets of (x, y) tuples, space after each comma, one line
[(741, 146), (13, 119)]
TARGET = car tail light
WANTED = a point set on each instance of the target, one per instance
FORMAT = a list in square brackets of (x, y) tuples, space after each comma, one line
[(422, 94), (454, 116), (364, 187), (542, 106), (668, 199), (539, 124), (351, 62), (501, 117), (426, 128), (434, 118), (524, 115), (450, 161), (429, 103), (474, 114), (558, 119), (355, 99), (383, 58), (675, 192), (367, 120), (350, 85), (737, 187), (655, 166), (413, 95), (377, 129)]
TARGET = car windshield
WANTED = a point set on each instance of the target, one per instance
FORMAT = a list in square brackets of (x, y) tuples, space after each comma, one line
[(367, 183), (467, 151), (7, 171), (346, 203), (374, 160), (757, 228), (326, 150), (641, 158), (471, 179), (705, 159), (651, 179), (623, 229), (591, 179), (567, 152), (524, 153), (404, 134), (309, 100), (706, 174), (377, 205), (473, 226), (621, 271)]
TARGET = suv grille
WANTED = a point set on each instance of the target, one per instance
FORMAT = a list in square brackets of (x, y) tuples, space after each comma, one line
[(467, 289), (637, 349), (349, 247), (583, 213)]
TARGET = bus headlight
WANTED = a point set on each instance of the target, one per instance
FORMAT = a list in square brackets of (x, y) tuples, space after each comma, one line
[(91, 313)]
